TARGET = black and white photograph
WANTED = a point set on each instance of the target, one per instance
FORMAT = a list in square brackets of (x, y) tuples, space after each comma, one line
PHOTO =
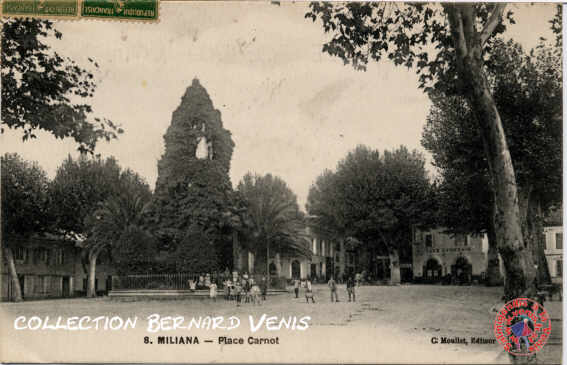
[(281, 182)]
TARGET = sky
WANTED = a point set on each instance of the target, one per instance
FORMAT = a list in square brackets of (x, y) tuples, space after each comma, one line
[(292, 110)]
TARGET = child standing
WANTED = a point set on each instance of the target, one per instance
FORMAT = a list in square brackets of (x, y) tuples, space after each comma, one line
[(213, 291), (264, 287), (237, 292), (333, 287), (309, 292), (350, 289), (296, 287)]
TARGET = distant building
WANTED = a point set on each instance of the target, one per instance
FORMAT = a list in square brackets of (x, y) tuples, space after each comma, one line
[(326, 260), (554, 251), (328, 256), (45, 267), (436, 255), (51, 267)]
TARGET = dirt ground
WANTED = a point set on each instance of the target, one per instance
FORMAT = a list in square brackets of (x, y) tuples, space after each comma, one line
[(406, 316)]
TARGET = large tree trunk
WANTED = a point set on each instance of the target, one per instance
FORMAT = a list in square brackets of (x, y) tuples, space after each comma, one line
[(395, 275), (236, 253), (493, 274), (468, 42), (532, 228), (507, 223), (91, 288), (13, 274)]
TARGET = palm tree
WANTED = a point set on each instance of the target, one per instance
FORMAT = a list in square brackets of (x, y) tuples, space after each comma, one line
[(108, 223), (274, 216)]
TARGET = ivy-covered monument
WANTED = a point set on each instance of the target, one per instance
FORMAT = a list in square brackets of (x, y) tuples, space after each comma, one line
[(194, 210)]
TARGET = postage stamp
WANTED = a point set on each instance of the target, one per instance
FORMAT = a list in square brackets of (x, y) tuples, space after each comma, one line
[(41, 8), (144, 10)]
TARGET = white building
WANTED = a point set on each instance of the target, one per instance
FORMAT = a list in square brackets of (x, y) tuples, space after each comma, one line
[(436, 254), (554, 251)]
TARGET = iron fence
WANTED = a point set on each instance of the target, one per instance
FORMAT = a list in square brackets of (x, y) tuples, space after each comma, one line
[(177, 281)]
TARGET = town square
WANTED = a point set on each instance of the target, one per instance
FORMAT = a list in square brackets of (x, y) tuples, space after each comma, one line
[(283, 182)]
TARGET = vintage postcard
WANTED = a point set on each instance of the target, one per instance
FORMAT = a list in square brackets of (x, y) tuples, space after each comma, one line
[(281, 182)]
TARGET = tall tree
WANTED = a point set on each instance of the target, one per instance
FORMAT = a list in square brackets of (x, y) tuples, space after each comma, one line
[(79, 189), (42, 90), (527, 90), (193, 187), (25, 203), (375, 199), (117, 225), (276, 224), (447, 44)]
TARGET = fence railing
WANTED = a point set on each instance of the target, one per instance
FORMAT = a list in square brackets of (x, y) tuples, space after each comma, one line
[(178, 281)]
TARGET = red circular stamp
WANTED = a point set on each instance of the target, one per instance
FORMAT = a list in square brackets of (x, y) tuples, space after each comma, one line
[(522, 326)]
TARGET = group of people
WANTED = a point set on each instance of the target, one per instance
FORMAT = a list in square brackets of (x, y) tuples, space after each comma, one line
[(247, 289), (351, 284), (239, 288)]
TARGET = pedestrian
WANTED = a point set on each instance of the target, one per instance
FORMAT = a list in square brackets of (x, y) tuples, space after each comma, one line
[(192, 285), (237, 292), (350, 289), (358, 279), (309, 292), (296, 287), (333, 287), (213, 291), (264, 287), (227, 289)]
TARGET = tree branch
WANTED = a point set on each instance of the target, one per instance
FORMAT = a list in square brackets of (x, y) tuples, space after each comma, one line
[(456, 27), (492, 22)]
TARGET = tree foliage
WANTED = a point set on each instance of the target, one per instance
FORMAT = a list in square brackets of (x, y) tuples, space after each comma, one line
[(374, 198), (274, 216), (115, 217), (191, 189), (414, 35), (197, 252), (43, 90), (527, 89), (25, 197), (135, 251), (81, 185)]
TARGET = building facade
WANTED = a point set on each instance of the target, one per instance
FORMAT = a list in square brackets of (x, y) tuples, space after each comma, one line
[(328, 258), (45, 268), (554, 251), (51, 267), (438, 256)]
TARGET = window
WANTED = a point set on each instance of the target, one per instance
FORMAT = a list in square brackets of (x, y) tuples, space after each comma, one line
[(559, 268), (58, 256), (313, 245), (40, 283), (20, 254), (428, 241), (559, 241), (466, 240)]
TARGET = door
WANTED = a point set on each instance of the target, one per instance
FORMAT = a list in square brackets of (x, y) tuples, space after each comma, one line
[(22, 280), (66, 287), (108, 283)]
